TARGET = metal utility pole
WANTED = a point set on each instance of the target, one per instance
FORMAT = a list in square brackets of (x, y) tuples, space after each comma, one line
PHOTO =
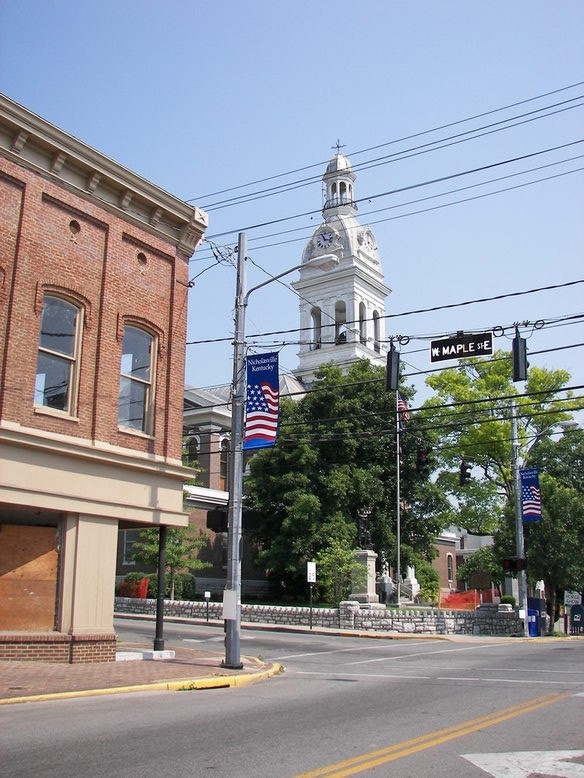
[(398, 497), (232, 593), (519, 541)]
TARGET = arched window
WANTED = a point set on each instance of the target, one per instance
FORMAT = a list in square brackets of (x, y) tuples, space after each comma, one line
[(57, 374), (343, 192), (376, 343), (191, 446), (316, 338), (224, 464), (450, 566), (362, 323), (340, 322), (136, 398)]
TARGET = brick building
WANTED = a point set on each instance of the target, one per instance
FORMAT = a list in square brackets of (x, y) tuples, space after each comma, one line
[(93, 300)]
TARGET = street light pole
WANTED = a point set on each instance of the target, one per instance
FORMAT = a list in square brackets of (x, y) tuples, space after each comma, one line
[(519, 539), (232, 593)]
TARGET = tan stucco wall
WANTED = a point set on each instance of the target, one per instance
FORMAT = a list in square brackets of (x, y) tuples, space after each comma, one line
[(66, 475)]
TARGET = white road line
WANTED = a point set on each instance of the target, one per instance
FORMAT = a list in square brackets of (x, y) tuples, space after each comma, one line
[(529, 681), (339, 651), (420, 653), (365, 675)]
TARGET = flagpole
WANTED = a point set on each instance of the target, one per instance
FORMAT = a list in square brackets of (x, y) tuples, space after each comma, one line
[(519, 540), (397, 491)]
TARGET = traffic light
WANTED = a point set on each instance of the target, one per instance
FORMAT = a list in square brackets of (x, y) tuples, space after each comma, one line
[(514, 565), (464, 473), (392, 370), (422, 459), (217, 520), (520, 362)]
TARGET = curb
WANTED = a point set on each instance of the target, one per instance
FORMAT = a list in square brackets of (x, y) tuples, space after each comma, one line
[(185, 685)]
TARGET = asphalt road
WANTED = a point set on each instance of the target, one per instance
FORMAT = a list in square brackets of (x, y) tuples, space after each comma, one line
[(344, 706)]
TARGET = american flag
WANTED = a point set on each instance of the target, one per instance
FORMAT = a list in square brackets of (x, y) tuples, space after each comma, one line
[(530, 494), (261, 421), (531, 500), (402, 407)]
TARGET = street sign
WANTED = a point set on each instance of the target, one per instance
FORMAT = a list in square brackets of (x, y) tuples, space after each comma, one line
[(311, 572), (572, 598), (475, 345)]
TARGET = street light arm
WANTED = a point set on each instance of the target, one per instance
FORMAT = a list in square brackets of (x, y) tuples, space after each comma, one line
[(325, 261)]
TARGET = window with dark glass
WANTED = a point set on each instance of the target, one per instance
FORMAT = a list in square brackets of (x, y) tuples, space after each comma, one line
[(136, 398), (58, 355)]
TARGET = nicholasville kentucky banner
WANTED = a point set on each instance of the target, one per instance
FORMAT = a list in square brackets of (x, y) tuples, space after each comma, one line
[(263, 401), (530, 494)]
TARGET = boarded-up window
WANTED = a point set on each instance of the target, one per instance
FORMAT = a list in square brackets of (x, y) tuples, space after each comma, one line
[(28, 577)]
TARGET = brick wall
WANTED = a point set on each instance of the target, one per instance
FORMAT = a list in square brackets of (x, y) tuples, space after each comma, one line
[(57, 647), (56, 241)]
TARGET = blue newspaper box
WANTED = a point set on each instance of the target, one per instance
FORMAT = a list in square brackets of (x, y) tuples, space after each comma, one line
[(533, 623)]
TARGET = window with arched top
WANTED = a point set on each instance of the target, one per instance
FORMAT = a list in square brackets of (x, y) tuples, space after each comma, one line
[(376, 332), (362, 323), (191, 445), (340, 322), (58, 357), (450, 566), (224, 464), (136, 396), (316, 334)]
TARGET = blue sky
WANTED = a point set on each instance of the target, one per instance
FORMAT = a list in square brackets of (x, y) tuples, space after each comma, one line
[(200, 97)]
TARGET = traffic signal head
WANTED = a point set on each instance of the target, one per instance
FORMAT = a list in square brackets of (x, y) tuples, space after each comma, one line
[(392, 370), (464, 473), (217, 520), (520, 363), (514, 565), (422, 459)]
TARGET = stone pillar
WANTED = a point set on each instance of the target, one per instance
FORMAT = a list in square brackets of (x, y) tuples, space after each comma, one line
[(364, 582)]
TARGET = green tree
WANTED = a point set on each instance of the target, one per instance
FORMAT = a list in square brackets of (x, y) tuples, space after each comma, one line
[(335, 460), (182, 545), (471, 412), (554, 544), (337, 572), (483, 561)]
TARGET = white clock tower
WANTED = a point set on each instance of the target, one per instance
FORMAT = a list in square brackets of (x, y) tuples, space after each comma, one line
[(341, 310)]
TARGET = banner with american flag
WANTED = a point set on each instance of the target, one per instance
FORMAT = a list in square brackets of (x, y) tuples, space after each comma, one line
[(263, 401), (530, 494)]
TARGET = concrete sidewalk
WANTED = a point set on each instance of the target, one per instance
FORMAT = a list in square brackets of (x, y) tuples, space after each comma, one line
[(188, 669)]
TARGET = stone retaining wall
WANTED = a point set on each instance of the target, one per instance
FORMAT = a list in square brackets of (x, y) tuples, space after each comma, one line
[(486, 620)]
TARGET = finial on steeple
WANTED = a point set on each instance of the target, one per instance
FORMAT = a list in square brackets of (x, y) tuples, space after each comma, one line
[(338, 146)]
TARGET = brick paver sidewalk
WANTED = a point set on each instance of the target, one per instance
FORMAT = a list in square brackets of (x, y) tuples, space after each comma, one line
[(28, 679)]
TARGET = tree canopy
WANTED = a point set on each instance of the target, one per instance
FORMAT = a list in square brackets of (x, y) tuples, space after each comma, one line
[(471, 413), (334, 465)]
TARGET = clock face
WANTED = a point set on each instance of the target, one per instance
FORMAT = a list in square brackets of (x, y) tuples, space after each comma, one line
[(369, 242), (324, 239)]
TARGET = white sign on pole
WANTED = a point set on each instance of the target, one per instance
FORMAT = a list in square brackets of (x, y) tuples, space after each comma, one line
[(311, 572), (572, 598)]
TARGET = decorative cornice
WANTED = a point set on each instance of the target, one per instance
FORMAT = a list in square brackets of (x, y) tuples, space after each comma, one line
[(31, 141)]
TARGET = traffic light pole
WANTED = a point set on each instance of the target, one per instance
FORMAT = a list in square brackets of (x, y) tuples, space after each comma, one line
[(398, 498), (519, 540)]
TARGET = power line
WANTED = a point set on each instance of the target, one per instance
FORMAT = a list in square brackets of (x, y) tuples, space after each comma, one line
[(416, 311), (419, 134)]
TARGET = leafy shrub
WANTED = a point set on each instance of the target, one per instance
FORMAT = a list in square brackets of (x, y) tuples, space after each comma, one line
[(508, 599), (184, 586)]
